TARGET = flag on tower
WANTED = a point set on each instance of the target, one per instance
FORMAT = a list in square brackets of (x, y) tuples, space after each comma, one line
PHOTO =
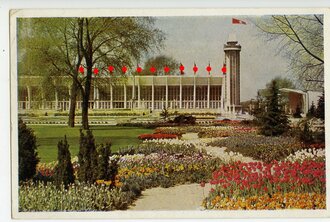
[(237, 21)]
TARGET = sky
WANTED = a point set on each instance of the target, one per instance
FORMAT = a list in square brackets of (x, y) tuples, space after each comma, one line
[(200, 39)]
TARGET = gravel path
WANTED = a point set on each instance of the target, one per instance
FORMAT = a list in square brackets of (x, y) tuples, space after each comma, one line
[(182, 197)]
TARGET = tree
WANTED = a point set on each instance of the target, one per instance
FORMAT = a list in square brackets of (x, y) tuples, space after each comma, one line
[(104, 152), (311, 111), (159, 62), (297, 113), (49, 49), (320, 108), (87, 158), (27, 152), (274, 122), (301, 39), (106, 38), (64, 169), (281, 82), (92, 42)]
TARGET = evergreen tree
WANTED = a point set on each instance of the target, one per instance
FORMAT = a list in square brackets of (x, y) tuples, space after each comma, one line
[(27, 152), (104, 152), (306, 135), (87, 158), (259, 109), (320, 108), (64, 169), (274, 121), (297, 113), (312, 111)]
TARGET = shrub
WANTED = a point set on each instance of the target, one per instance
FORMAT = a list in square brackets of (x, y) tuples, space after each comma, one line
[(184, 119), (104, 152), (274, 122), (64, 169), (27, 152), (320, 108), (87, 156)]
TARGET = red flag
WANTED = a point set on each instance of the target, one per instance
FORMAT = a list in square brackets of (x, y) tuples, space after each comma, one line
[(237, 21)]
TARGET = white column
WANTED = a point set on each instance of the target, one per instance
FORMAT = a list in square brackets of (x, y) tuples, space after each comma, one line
[(166, 94), (208, 92), (94, 96), (29, 97), (97, 98), (194, 102), (125, 97), (42, 100), (152, 94), (223, 88), (133, 93), (180, 98), (111, 97), (56, 100), (139, 91)]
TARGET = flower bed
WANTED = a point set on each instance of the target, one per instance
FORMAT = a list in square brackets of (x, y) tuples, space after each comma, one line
[(276, 201), (259, 147), (307, 154), (78, 197), (244, 182), (157, 136)]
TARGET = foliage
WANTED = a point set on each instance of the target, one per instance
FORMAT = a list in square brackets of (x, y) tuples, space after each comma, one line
[(27, 152), (159, 62), (297, 113), (185, 119), (78, 197), (64, 170), (104, 152), (320, 108), (301, 38), (88, 157), (274, 122), (311, 111), (306, 134), (259, 147), (165, 113)]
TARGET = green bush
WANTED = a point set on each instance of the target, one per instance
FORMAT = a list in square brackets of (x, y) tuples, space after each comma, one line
[(64, 169), (184, 119), (27, 152), (104, 152), (87, 158)]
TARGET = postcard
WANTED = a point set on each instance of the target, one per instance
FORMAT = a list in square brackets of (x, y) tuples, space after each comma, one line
[(183, 113)]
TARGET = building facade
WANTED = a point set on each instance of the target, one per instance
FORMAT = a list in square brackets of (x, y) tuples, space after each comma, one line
[(216, 91)]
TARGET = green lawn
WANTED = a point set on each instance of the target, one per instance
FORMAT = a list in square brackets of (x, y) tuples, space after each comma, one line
[(48, 137)]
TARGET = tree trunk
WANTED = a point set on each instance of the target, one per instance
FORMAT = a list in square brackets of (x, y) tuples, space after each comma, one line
[(73, 102), (84, 111), (85, 99)]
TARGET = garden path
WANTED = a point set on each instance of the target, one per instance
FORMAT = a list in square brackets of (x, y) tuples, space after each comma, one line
[(182, 197)]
